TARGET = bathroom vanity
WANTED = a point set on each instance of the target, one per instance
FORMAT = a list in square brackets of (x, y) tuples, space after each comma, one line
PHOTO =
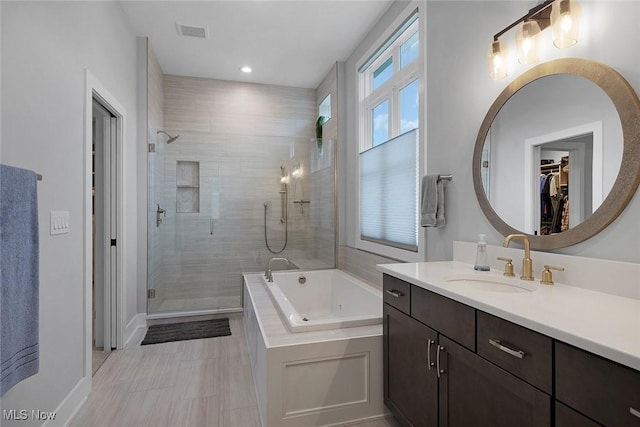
[(459, 353)]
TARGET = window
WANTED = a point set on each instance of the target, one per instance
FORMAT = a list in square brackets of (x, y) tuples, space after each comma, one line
[(380, 123), (389, 142), (324, 109), (388, 192)]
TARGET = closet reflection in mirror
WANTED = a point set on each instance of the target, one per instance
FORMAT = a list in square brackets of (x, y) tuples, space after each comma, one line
[(552, 154)]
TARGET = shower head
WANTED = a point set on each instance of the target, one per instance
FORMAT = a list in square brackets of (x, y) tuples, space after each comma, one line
[(171, 137)]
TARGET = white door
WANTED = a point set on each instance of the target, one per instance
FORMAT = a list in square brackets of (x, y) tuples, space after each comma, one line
[(105, 230)]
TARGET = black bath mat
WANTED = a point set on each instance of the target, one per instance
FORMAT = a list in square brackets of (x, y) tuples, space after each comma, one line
[(187, 331)]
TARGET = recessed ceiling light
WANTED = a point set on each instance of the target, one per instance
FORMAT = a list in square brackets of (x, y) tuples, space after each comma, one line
[(246, 69)]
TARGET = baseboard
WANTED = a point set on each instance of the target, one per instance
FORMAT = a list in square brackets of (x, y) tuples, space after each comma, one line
[(138, 321), (71, 404)]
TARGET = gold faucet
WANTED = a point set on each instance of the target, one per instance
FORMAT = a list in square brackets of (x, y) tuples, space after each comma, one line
[(527, 264)]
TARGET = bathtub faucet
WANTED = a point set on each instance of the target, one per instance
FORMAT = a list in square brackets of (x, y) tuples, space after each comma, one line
[(268, 274)]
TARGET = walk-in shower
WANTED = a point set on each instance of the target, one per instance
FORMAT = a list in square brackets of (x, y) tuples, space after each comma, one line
[(218, 219), (241, 147)]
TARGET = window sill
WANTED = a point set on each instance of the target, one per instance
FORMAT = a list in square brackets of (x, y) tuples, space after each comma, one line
[(391, 252)]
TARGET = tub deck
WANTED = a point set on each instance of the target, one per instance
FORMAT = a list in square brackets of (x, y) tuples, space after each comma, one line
[(276, 333), (326, 377)]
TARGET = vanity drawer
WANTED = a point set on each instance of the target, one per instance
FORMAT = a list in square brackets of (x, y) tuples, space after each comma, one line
[(451, 318), (396, 293), (524, 353), (603, 390)]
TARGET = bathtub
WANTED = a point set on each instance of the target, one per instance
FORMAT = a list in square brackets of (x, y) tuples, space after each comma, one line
[(324, 299), (328, 377)]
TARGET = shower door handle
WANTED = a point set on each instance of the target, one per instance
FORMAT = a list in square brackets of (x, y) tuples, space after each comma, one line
[(211, 226), (159, 214)]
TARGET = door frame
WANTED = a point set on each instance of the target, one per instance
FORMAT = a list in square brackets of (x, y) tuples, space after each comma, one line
[(531, 168), (95, 90)]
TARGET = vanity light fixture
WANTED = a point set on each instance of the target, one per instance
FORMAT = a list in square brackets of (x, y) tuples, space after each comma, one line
[(562, 15), (246, 69), (497, 60), (565, 23)]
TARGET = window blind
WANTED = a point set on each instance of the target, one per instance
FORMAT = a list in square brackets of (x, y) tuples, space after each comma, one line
[(389, 192)]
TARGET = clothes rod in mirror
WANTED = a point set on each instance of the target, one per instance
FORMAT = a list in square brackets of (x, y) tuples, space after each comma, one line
[(562, 15)]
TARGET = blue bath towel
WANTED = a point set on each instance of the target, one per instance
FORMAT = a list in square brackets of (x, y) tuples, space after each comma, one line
[(19, 271)]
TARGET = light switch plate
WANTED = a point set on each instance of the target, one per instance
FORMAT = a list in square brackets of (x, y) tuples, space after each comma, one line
[(59, 222)]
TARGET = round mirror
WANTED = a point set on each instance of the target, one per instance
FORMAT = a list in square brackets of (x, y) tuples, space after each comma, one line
[(558, 154)]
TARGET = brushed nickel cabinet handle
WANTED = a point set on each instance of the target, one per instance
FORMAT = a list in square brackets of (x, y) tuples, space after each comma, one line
[(429, 343), (440, 371), (394, 293), (515, 353), (634, 412)]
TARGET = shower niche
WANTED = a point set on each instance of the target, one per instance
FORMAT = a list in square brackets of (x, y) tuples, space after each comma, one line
[(187, 187)]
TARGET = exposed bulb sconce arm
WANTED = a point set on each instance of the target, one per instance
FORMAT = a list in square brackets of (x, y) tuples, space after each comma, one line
[(541, 14), (561, 15)]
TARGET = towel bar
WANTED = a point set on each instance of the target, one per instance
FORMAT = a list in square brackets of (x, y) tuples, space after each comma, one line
[(445, 178)]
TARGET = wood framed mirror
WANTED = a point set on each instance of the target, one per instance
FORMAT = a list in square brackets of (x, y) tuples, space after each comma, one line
[(581, 108)]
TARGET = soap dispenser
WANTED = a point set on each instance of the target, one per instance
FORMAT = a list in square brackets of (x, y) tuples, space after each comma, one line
[(482, 258)]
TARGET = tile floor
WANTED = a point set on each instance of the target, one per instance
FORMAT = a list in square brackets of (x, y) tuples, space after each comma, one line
[(193, 383)]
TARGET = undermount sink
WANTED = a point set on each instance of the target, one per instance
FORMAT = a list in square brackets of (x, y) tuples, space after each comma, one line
[(490, 283)]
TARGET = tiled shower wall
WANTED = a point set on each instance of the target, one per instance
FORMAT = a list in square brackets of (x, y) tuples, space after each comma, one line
[(240, 134)]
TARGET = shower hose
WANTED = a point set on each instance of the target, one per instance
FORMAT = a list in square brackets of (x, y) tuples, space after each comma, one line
[(286, 231)]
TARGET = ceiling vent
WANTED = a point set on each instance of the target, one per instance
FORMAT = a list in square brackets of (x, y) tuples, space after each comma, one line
[(192, 31)]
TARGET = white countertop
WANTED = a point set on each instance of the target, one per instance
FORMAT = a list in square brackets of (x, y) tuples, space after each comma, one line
[(604, 324)]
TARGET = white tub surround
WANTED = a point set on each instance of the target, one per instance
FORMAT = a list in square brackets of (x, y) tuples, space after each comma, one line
[(324, 299), (604, 324), (329, 377)]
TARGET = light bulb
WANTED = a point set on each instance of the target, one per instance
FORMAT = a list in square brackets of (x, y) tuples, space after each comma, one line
[(565, 22), (527, 42), (497, 60)]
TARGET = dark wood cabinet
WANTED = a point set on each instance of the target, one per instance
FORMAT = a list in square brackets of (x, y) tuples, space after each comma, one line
[(448, 364), (521, 351), (567, 417), (411, 385), (449, 317), (475, 392), (432, 379), (396, 293), (603, 390)]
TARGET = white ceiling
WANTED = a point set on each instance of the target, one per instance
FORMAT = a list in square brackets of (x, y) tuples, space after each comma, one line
[(289, 43)]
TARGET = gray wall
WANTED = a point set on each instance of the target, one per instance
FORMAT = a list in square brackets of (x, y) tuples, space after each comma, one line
[(459, 93), (456, 110), (46, 47)]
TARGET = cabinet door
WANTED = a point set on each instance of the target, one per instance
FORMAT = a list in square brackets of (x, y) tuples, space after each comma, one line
[(599, 388), (410, 384), (475, 392)]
